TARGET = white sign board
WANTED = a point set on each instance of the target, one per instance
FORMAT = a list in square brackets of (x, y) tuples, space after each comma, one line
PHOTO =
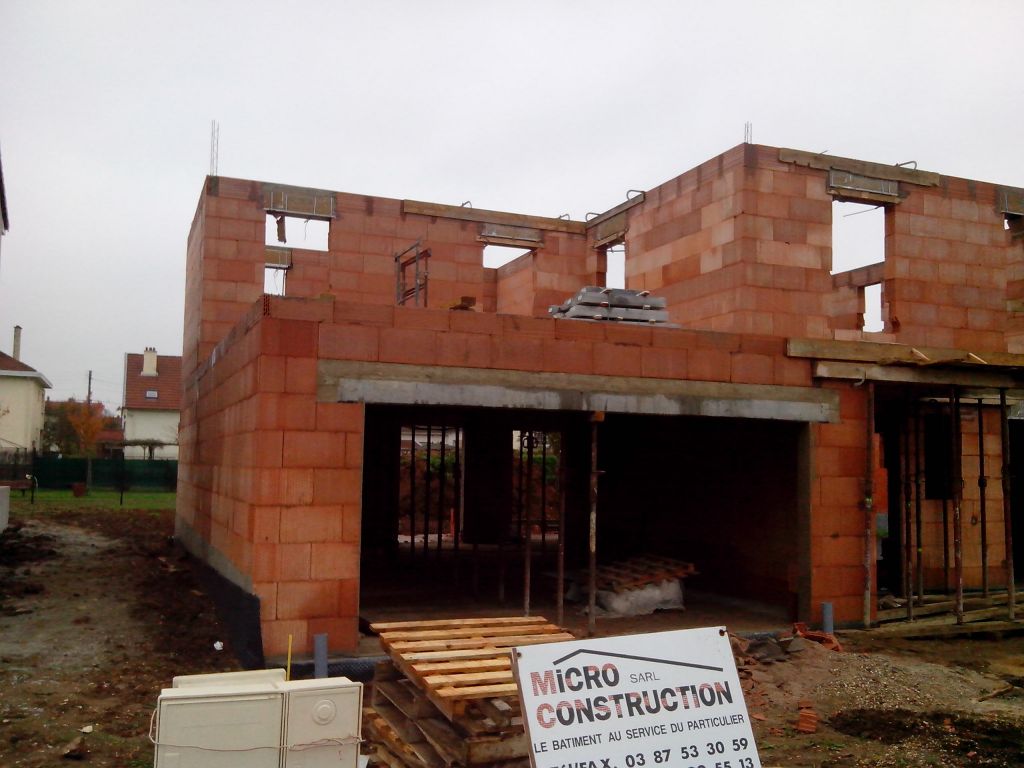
[(661, 700)]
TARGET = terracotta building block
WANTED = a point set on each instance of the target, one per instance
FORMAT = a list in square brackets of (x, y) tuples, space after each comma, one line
[(342, 632), (300, 375), (311, 524), (293, 562), (839, 550), (629, 334), (842, 491), (296, 485), (838, 462), (709, 365), (409, 346), (617, 359), (475, 322), (307, 599), (421, 318), (337, 486), (382, 315), (270, 374), (335, 560), (276, 635), (267, 594), (314, 449), (471, 350), (349, 342), (340, 417), (752, 369), (585, 331), (516, 353), (354, 450), (295, 338), (267, 451), (560, 356), (289, 411), (663, 363), (266, 525)]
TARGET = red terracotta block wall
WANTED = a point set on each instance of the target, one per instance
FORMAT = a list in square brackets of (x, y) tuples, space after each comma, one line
[(839, 458), (946, 259), (742, 243), (485, 340)]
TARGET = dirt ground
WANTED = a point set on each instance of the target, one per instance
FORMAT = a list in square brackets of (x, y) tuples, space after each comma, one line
[(99, 610)]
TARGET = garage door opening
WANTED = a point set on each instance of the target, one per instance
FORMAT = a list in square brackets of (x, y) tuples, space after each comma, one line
[(469, 511)]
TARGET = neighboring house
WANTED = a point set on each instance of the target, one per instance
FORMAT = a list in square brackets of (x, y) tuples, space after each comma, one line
[(22, 400), (152, 399)]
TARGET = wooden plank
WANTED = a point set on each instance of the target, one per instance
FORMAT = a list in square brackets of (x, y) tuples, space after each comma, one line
[(391, 637), (401, 725), (889, 353), (498, 710), (464, 643), (478, 691), (445, 741), (827, 369), (456, 655), (469, 678), (386, 626), (455, 667), (493, 217), (405, 698)]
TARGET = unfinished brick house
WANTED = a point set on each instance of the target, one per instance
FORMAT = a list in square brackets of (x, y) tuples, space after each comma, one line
[(793, 457)]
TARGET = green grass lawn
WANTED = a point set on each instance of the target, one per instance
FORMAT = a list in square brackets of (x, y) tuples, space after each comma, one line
[(47, 500)]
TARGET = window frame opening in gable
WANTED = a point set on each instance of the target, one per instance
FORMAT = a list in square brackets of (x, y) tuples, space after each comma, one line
[(314, 235), (858, 241)]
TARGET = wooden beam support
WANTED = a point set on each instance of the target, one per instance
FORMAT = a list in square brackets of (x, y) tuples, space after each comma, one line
[(885, 353), (829, 369)]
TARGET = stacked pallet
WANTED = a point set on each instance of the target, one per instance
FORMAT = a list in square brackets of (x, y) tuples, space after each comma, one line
[(447, 696), (638, 572), (615, 304)]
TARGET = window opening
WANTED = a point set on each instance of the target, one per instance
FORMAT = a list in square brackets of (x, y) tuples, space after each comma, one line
[(858, 235), (274, 279), (296, 232), (873, 308), (858, 240), (615, 276), (499, 255)]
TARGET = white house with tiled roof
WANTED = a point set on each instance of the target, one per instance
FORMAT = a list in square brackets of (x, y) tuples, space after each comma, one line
[(22, 402), (152, 401)]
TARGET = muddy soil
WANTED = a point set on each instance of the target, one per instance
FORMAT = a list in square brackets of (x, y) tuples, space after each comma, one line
[(99, 610)]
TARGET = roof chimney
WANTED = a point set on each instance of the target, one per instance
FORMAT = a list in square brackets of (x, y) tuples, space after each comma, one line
[(16, 351), (149, 362)]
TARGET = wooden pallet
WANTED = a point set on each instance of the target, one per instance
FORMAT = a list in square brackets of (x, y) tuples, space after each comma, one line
[(638, 572), (458, 661)]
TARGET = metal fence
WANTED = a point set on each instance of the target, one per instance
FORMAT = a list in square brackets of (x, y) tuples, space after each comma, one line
[(54, 472)]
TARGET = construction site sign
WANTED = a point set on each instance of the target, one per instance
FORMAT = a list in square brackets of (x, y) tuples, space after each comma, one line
[(659, 700)]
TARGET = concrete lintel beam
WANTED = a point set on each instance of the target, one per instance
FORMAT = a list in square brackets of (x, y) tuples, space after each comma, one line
[(349, 381)]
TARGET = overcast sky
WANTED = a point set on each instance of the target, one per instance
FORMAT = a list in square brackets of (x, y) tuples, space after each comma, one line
[(535, 107)]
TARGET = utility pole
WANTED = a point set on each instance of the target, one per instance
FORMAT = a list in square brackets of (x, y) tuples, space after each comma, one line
[(88, 410)]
